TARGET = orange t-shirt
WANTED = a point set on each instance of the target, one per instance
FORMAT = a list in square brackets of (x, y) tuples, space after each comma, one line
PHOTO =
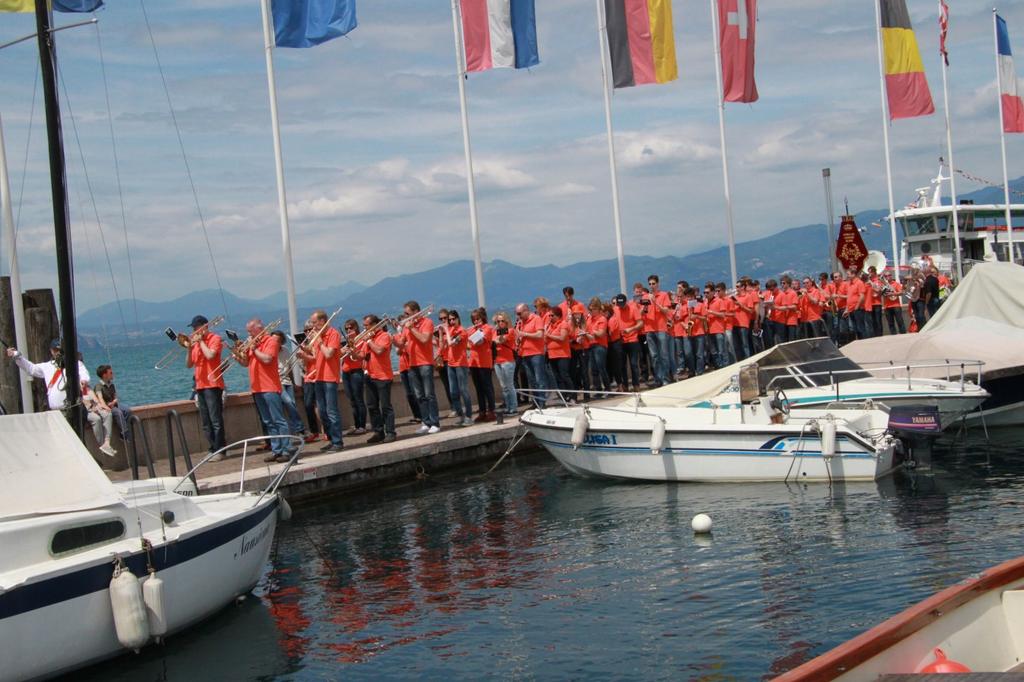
[(773, 314), (596, 324), (679, 318), (742, 318), (378, 365), (309, 371), (871, 298), (456, 349), (854, 289), (813, 300), (840, 291), (531, 346), (399, 339), (329, 369), (893, 300), (614, 329), (506, 344), (716, 324), (350, 363), (560, 349), (203, 367), (480, 354), (696, 313), (628, 315), (421, 352), (264, 377), (788, 317), (654, 319), (577, 307)]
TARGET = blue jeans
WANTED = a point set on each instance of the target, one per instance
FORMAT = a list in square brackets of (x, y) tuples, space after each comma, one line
[(719, 351), (506, 372), (309, 403), (327, 402), (484, 385), (291, 411), (741, 342), (354, 382), (272, 413), (421, 378), (658, 347), (382, 414), (632, 363), (862, 324), (698, 353), (458, 381), (599, 368), (211, 412), (684, 351), (537, 376), (410, 395)]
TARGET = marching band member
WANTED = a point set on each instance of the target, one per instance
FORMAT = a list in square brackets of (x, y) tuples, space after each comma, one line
[(326, 356), (505, 340), (630, 322), (855, 304), (785, 305), (353, 379), (744, 308), (698, 331), (875, 284), (596, 331), (455, 342), (204, 357), (291, 412), (813, 300), (265, 384), (530, 339), (481, 362), (680, 330), (376, 355), (719, 310), (616, 350), (421, 367), (309, 389), (892, 304), (559, 354), (399, 340)]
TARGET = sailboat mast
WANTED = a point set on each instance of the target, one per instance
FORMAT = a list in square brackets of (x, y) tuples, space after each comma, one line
[(61, 227)]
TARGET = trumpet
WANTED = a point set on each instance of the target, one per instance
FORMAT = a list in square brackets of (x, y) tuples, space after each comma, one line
[(184, 341), (242, 349), (289, 363)]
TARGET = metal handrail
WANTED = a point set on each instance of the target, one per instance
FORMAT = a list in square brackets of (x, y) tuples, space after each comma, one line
[(133, 448), (947, 365), (274, 482), (174, 419)]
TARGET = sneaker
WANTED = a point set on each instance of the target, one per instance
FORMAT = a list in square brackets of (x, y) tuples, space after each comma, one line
[(355, 431), (331, 447), (311, 438), (434, 429), (423, 429), (512, 413), (107, 450), (415, 420), (390, 438), (218, 457), (270, 458), (453, 414), (281, 459), (375, 438), (466, 421), (480, 418)]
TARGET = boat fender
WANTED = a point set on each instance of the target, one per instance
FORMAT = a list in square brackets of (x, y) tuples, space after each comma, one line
[(658, 436), (130, 618), (941, 664), (579, 430), (153, 595), (284, 510), (828, 438)]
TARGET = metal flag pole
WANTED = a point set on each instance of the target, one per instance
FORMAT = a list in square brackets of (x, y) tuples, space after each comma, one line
[(721, 132), (10, 245), (952, 168), (885, 139), (1002, 139), (602, 40), (282, 198), (460, 71), (830, 219)]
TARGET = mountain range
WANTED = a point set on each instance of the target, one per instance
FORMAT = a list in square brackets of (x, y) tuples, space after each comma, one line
[(801, 250)]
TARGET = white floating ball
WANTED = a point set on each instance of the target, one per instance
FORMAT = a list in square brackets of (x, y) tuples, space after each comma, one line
[(701, 523)]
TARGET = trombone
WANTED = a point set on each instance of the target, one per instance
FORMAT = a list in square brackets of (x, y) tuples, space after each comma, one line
[(289, 364), (399, 324), (240, 350), (364, 336), (185, 341)]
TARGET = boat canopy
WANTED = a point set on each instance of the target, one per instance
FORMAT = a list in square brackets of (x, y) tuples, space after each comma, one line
[(992, 291), (45, 469)]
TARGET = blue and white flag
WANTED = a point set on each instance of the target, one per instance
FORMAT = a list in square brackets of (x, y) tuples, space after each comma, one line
[(307, 23)]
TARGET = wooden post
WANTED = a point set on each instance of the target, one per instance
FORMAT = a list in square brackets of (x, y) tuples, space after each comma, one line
[(10, 392)]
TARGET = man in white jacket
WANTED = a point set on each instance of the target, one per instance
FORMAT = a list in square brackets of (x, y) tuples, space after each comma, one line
[(51, 372)]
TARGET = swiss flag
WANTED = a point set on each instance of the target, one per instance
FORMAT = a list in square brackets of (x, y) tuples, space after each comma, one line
[(736, 22)]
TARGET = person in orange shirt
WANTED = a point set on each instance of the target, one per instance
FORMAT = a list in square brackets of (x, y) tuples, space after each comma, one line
[(375, 354), (854, 312), (557, 335), (787, 311), (308, 389), (774, 321), (265, 384), (656, 307), (353, 379), (681, 337), (616, 353), (745, 311), (814, 302), (828, 316), (505, 361), (874, 295), (399, 341), (698, 324), (530, 342), (326, 356), (596, 331), (630, 323), (892, 292), (570, 306), (456, 340), (718, 312), (868, 306), (421, 367), (204, 357), (481, 364)]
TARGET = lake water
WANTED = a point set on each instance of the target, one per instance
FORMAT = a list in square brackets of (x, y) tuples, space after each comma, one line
[(532, 573)]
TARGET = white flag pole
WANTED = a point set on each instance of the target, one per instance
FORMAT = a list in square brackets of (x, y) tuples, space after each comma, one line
[(602, 39), (721, 132), (958, 260), (885, 139), (10, 245), (282, 199), (460, 71), (1002, 138)]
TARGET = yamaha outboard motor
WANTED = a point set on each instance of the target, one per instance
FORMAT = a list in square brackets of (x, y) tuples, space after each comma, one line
[(917, 427)]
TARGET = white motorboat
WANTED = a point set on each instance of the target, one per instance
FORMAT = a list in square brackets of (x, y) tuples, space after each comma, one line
[(975, 627), (762, 440), (815, 374), (90, 568)]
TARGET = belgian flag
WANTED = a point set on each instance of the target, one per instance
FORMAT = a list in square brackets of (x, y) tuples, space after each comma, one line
[(905, 82)]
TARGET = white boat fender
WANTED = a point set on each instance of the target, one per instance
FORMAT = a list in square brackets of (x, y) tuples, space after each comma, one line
[(153, 595), (828, 438), (658, 436), (130, 618), (579, 430), (284, 510)]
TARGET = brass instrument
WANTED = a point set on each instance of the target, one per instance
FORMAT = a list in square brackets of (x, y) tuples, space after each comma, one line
[(415, 317), (364, 336), (241, 350), (307, 345), (185, 341)]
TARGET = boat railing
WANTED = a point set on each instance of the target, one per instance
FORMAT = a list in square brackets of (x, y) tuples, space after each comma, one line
[(295, 441), (956, 370)]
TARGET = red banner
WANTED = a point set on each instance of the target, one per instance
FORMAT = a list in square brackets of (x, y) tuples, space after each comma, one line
[(850, 248), (737, 20)]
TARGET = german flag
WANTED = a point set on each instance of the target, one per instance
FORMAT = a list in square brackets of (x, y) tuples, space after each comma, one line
[(905, 83), (641, 41)]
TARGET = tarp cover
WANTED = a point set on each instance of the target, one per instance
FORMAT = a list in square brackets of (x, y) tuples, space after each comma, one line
[(45, 469), (993, 291)]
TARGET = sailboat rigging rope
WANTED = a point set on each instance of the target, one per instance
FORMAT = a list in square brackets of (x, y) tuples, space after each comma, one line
[(92, 273), (184, 156), (117, 178), (28, 144), (92, 197)]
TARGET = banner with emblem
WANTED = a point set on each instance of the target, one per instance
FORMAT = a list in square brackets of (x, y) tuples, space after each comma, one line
[(850, 248)]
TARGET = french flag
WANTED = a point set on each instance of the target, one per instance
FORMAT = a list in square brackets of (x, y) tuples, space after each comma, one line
[(499, 33), (1013, 107)]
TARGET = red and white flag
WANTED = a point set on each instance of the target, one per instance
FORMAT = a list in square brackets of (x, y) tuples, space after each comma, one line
[(736, 22), (943, 29)]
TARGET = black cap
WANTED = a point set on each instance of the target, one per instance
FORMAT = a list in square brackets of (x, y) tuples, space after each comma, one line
[(198, 321), (620, 300), (55, 344)]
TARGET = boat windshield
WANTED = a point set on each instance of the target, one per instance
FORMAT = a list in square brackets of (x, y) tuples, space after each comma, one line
[(789, 364), (970, 219)]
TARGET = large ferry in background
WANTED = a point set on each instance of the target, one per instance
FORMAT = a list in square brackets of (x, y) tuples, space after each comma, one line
[(927, 226)]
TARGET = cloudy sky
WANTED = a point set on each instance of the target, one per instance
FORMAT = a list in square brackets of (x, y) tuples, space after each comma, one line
[(373, 144)]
